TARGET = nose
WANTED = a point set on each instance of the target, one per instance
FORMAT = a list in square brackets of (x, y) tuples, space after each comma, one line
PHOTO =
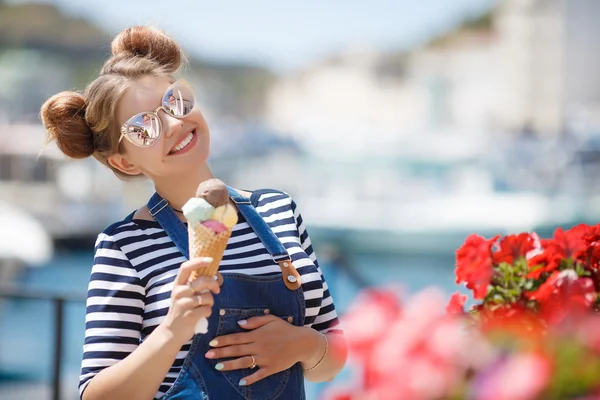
[(170, 124)]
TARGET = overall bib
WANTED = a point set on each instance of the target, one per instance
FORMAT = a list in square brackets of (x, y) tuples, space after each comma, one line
[(241, 297)]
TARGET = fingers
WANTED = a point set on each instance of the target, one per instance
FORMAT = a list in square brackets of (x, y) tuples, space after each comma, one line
[(261, 373), (181, 292), (238, 363), (205, 299), (205, 283), (199, 312), (187, 267), (232, 339), (230, 352), (257, 322)]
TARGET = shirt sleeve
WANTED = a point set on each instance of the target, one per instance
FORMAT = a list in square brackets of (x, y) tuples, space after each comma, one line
[(327, 320), (114, 310)]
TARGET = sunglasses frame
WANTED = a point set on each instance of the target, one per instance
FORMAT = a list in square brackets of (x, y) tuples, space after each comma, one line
[(124, 133)]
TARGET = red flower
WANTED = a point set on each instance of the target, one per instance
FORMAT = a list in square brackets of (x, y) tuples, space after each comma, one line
[(474, 264), (456, 306), (592, 239), (563, 294), (570, 244), (513, 247), (544, 262)]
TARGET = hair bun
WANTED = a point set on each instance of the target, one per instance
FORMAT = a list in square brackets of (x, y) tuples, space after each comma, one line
[(151, 43), (63, 116)]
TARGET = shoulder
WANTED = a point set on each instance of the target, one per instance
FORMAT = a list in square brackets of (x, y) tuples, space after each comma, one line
[(263, 197), (126, 227), (116, 227)]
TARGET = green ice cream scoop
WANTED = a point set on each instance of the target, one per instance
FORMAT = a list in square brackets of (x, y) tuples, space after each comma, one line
[(197, 210)]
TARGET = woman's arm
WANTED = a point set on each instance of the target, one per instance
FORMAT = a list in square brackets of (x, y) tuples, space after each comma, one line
[(325, 337), (139, 375), (328, 357)]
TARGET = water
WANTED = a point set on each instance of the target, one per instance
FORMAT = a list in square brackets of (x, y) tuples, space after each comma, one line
[(26, 326)]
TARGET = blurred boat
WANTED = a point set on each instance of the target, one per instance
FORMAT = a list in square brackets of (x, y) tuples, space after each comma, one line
[(22, 237), (23, 241)]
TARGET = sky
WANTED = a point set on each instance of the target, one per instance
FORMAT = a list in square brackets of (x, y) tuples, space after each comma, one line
[(281, 35)]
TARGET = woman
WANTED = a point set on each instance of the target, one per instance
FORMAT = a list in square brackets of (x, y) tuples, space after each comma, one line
[(265, 335)]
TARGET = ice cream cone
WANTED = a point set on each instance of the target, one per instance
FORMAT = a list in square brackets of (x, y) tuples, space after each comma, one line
[(210, 223), (204, 242)]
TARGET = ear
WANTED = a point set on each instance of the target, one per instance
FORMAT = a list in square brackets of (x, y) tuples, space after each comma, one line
[(120, 162)]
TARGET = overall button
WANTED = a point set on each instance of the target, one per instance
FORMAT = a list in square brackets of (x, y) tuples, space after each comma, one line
[(286, 264), (292, 278), (267, 311), (290, 319), (222, 312)]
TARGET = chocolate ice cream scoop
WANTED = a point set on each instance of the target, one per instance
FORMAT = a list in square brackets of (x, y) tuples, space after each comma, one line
[(213, 191)]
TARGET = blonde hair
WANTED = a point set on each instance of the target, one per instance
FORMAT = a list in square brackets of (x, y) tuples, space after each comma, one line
[(84, 123)]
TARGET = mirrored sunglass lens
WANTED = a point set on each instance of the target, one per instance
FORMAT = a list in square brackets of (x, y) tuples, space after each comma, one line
[(179, 100), (143, 129)]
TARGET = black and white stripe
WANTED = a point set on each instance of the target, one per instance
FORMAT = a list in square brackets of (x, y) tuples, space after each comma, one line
[(136, 262)]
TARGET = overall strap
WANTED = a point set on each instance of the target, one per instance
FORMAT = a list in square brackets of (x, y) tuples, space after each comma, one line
[(260, 227), (170, 222), (291, 277)]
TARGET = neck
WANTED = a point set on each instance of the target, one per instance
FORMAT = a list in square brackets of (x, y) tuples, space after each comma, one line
[(177, 191)]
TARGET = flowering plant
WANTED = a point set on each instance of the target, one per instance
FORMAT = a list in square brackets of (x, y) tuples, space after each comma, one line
[(416, 351), (546, 280), (531, 334)]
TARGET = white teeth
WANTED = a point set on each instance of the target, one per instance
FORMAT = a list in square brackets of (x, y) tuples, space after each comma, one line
[(184, 143)]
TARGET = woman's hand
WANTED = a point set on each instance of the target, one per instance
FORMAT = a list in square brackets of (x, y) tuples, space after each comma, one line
[(190, 301), (272, 343)]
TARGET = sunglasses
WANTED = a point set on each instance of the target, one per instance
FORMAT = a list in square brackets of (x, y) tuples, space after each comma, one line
[(144, 129)]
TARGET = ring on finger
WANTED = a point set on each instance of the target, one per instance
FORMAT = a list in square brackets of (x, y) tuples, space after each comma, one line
[(253, 362), (189, 284)]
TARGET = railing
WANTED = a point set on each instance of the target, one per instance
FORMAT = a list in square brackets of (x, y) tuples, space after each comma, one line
[(58, 301)]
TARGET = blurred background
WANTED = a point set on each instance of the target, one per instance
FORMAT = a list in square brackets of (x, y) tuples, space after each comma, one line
[(398, 126)]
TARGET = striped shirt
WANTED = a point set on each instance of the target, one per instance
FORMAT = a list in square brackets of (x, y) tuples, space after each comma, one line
[(135, 263)]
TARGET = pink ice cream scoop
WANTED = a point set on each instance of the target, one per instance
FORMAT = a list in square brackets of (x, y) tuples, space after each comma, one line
[(216, 226)]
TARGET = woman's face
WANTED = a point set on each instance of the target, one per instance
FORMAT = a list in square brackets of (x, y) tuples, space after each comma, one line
[(162, 159)]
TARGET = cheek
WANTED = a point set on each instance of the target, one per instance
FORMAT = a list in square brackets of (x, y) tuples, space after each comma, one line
[(197, 117), (147, 158)]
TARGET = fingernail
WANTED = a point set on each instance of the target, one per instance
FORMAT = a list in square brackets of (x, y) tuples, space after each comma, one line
[(242, 382), (206, 259), (213, 343), (242, 322), (219, 366), (215, 277), (210, 354)]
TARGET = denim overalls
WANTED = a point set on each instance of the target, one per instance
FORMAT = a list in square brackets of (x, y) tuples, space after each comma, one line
[(241, 297)]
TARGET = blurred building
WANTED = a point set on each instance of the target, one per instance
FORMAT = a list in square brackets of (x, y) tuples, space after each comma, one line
[(582, 60), (526, 66), (550, 63), (26, 78), (70, 198), (343, 100)]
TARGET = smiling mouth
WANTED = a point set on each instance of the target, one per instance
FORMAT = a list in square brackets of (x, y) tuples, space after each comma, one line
[(184, 143)]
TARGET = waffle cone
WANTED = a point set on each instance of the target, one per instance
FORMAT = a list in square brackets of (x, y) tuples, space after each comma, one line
[(204, 242)]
